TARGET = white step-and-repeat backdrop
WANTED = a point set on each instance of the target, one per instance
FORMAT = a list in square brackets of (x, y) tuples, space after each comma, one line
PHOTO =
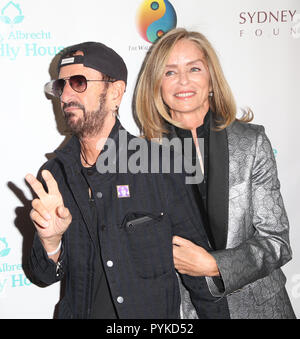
[(258, 42)]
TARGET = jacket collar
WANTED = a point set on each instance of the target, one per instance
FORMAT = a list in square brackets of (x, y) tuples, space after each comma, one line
[(174, 131), (218, 185), (201, 130)]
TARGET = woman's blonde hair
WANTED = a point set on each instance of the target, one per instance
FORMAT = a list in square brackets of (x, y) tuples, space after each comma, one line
[(149, 108)]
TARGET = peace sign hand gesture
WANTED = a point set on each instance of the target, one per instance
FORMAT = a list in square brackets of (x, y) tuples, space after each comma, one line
[(49, 215)]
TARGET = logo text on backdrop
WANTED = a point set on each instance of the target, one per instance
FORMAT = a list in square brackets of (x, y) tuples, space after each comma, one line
[(154, 19), (268, 23), (15, 41)]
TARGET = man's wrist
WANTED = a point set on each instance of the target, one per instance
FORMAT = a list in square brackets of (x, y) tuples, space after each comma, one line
[(214, 269), (52, 245), (55, 251)]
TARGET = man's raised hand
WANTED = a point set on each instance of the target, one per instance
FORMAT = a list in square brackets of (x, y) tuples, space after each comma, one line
[(49, 215)]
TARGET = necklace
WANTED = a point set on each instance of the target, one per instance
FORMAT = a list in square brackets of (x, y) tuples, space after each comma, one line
[(85, 159)]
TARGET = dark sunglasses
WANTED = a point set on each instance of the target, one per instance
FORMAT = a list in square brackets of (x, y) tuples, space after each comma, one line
[(77, 82)]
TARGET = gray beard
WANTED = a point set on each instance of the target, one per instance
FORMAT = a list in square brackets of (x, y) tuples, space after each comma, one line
[(91, 123)]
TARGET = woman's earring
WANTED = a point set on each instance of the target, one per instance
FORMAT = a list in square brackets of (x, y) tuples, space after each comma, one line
[(211, 94)]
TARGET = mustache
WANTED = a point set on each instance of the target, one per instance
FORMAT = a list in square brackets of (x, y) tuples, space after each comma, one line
[(73, 104)]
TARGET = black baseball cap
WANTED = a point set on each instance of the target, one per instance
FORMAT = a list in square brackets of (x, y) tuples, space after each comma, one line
[(97, 56)]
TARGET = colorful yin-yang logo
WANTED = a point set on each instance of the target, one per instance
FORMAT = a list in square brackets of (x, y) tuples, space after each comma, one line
[(155, 18)]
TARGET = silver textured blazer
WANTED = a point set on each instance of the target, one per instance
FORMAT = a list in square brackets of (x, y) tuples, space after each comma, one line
[(245, 205)]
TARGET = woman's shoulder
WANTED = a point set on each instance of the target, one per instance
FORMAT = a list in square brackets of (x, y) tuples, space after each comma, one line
[(246, 129)]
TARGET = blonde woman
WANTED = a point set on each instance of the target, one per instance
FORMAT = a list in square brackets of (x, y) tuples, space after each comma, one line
[(182, 92)]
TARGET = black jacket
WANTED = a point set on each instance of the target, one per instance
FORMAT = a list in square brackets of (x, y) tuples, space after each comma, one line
[(142, 279)]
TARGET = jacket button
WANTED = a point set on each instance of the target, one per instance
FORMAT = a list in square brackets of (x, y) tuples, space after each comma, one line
[(99, 195), (110, 263), (120, 300)]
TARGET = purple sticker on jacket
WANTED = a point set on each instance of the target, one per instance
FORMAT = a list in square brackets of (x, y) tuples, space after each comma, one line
[(123, 191)]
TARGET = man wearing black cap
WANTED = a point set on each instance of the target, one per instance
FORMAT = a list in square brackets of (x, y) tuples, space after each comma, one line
[(108, 235)]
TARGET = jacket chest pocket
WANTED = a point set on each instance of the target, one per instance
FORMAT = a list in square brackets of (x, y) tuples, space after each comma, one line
[(149, 243)]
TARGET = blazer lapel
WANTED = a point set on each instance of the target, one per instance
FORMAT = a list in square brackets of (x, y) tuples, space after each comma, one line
[(218, 185)]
